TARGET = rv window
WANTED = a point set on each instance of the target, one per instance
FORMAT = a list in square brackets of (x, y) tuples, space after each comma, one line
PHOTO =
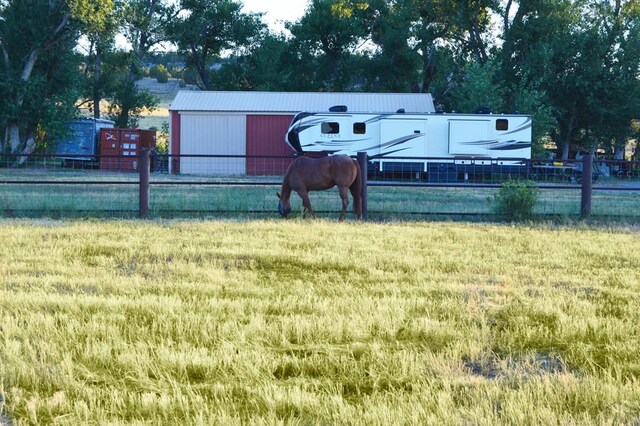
[(330, 128), (359, 128), (502, 124)]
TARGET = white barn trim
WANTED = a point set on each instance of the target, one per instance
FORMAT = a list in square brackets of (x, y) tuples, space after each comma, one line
[(293, 102)]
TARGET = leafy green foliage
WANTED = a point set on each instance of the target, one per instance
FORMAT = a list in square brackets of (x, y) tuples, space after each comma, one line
[(580, 56), (516, 200), (206, 29), (39, 74)]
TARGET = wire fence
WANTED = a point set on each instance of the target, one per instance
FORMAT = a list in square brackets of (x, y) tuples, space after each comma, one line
[(246, 186)]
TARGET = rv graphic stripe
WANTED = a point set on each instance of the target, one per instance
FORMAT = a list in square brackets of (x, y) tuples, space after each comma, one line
[(495, 145), (395, 142), (513, 145), (525, 126), (389, 153)]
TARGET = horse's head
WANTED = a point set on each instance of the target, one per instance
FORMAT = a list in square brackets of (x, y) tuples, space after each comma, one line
[(284, 207)]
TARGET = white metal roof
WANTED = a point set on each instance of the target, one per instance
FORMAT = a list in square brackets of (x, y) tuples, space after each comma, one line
[(293, 102)]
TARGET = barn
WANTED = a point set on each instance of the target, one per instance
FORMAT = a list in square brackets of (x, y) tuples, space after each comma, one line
[(241, 126)]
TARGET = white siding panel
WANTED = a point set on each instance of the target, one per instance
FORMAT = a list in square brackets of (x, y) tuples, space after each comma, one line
[(209, 134)]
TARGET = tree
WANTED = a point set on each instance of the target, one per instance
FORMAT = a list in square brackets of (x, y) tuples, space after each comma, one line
[(584, 57), (449, 35), (144, 24), (39, 73), (126, 102), (395, 63), (414, 43), (273, 64), (618, 29), (205, 29), (100, 31), (330, 36)]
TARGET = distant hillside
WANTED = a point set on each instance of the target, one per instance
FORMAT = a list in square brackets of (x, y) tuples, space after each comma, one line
[(165, 91)]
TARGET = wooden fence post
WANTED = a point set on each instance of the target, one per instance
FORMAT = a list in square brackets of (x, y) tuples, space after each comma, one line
[(144, 165), (587, 185), (362, 161)]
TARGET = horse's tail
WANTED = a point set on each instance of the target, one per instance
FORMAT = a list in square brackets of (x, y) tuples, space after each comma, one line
[(356, 191)]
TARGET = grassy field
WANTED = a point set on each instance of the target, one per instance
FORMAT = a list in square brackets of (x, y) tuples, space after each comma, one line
[(318, 322), (170, 196)]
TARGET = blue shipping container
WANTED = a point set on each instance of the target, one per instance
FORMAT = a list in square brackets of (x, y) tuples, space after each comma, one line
[(82, 141)]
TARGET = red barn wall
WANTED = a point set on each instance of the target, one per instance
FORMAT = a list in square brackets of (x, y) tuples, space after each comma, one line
[(175, 142), (265, 136)]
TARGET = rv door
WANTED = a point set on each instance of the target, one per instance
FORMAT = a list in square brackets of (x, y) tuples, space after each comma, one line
[(469, 137), (403, 137)]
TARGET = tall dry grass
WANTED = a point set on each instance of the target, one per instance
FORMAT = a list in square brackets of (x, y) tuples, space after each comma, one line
[(294, 322)]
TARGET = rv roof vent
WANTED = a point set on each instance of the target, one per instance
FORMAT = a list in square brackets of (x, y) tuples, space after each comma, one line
[(400, 111), (484, 110), (338, 108)]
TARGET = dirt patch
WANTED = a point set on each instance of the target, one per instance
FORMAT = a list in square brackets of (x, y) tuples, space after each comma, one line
[(4, 420), (495, 367)]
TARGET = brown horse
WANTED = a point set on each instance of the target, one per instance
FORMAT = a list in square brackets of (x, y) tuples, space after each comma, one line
[(311, 174)]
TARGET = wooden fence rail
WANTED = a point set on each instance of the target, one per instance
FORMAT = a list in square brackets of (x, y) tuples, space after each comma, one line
[(362, 158)]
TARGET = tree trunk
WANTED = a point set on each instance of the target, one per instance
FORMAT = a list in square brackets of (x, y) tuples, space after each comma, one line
[(428, 67), (619, 149), (13, 128), (564, 139), (3, 141), (29, 63), (478, 43), (97, 92), (29, 146), (566, 124), (204, 83), (13, 132), (565, 149)]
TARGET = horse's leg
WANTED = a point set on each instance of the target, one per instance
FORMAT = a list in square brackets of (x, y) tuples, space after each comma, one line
[(306, 204), (356, 191), (344, 195), (357, 200)]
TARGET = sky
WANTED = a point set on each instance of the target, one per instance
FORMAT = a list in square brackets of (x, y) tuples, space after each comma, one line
[(277, 11)]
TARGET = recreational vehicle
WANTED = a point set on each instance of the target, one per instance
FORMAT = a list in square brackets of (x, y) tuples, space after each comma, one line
[(433, 146)]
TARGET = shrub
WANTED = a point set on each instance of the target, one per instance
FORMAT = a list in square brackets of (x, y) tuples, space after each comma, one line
[(162, 138), (515, 200), (160, 73), (157, 70), (176, 72)]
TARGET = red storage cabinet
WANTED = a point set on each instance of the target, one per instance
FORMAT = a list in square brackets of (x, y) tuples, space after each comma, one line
[(120, 148)]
